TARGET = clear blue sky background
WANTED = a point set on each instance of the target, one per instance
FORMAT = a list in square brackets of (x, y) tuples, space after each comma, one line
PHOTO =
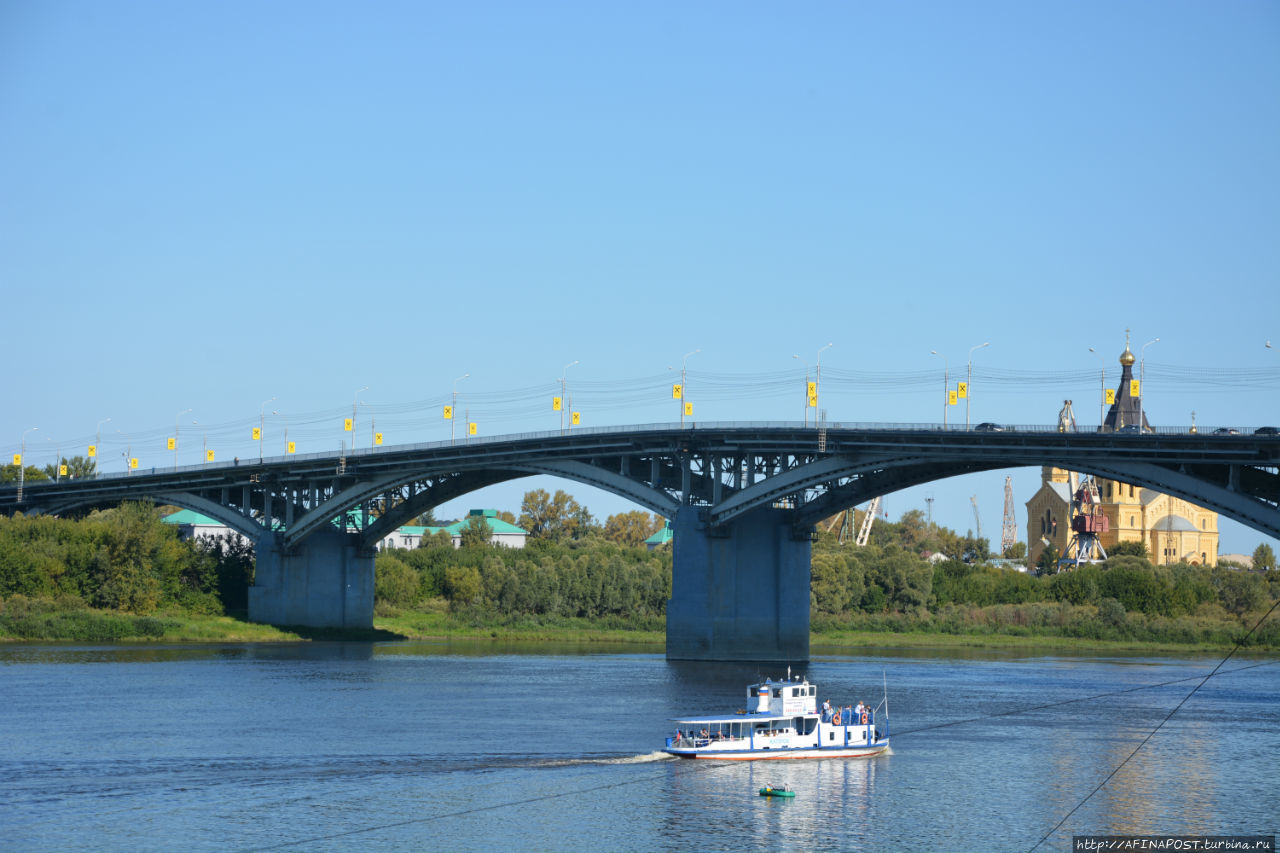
[(209, 205)]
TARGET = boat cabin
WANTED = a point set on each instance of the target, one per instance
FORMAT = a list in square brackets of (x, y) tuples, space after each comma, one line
[(782, 698)]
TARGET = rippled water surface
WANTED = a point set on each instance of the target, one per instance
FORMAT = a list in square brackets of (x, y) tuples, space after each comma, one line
[(425, 746)]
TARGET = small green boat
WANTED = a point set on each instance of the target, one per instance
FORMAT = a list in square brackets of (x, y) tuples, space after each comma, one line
[(770, 791)]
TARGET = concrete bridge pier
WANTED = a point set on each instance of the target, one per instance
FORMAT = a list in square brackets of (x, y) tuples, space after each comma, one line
[(739, 592), (326, 582)]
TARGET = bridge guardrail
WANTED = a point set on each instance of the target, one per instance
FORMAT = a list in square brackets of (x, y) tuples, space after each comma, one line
[(689, 426)]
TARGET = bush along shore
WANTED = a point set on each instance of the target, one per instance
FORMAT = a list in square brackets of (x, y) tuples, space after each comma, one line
[(124, 575)]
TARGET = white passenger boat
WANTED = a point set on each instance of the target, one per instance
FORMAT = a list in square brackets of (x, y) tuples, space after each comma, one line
[(783, 720)]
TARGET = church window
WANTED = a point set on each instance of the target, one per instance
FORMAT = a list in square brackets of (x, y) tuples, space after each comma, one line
[(1204, 524), (1131, 490), (1133, 521)]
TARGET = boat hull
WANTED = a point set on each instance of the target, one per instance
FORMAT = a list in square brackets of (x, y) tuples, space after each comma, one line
[(782, 754)]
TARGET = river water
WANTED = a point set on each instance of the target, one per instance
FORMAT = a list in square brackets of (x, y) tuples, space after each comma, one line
[(421, 746)]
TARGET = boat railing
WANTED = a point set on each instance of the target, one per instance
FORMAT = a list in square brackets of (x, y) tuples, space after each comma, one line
[(848, 717)]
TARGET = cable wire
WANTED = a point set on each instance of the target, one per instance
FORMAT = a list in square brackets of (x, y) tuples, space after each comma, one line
[(702, 768), (1153, 731)]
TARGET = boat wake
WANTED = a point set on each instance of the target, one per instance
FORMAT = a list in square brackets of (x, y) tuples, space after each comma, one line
[(644, 758)]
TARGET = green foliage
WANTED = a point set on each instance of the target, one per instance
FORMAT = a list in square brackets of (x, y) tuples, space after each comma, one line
[(121, 559), (1016, 551), (632, 528), (557, 517), (1130, 549), (476, 532), (69, 619), (1240, 592), (1264, 558), (30, 473), (78, 467), (395, 582), (1047, 563)]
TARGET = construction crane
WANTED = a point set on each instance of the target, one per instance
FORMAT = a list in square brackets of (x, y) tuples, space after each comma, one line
[(977, 520), (1009, 530), (1088, 523), (865, 531), (844, 518)]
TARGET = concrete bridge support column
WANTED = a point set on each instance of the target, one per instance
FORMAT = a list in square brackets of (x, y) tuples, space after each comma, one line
[(326, 582), (740, 592)]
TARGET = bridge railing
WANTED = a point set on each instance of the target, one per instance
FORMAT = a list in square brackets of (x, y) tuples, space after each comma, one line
[(1215, 432)]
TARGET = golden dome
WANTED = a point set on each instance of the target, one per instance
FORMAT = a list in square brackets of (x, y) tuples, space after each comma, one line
[(1127, 358)]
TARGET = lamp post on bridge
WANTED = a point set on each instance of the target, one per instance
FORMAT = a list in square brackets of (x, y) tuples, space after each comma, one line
[(57, 460), (685, 405), (286, 429), (946, 385), (262, 422), (1102, 387), (355, 401), (564, 398), (97, 442), (22, 461), (204, 442), (453, 410), (806, 384), (817, 383), (1142, 380), (127, 453), (176, 419), (968, 382)]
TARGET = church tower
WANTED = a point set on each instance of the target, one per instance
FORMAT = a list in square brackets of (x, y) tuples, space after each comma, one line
[(1174, 530), (1127, 408)]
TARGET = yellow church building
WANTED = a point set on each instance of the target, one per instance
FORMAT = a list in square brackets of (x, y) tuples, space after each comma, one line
[(1174, 530)]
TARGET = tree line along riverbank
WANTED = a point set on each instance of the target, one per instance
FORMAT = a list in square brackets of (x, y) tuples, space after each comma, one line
[(124, 575)]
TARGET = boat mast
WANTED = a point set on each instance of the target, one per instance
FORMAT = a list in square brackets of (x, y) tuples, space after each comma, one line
[(886, 694)]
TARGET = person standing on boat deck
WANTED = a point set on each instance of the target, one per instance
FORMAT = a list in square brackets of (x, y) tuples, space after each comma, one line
[(826, 710)]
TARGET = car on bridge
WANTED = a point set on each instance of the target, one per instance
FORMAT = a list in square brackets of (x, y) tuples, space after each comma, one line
[(1226, 431), (987, 426), (1267, 430)]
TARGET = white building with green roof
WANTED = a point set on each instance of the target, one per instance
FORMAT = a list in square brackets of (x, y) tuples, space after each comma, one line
[(193, 525)]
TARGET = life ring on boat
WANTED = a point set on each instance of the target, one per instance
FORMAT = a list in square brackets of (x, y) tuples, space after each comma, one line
[(835, 718), (864, 718)]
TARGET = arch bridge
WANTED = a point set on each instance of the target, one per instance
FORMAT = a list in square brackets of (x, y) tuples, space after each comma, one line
[(742, 498)]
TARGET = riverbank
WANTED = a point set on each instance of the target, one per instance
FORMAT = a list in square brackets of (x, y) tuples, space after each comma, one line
[(90, 626)]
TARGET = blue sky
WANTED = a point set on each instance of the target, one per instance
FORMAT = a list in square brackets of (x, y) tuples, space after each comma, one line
[(206, 206)]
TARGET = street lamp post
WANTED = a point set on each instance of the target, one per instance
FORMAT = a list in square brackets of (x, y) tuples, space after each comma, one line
[(204, 443), (97, 443), (128, 453), (1142, 379), (564, 399), (1102, 387), (355, 401), (262, 423), (806, 383), (817, 384), (286, 429), (22, 461), (684, 385), (176, 420), (453, 410), (968, 383), (946, 384)]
